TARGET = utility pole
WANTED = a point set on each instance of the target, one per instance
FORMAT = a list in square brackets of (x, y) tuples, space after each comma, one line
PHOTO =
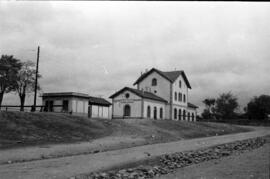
[(36, 82)]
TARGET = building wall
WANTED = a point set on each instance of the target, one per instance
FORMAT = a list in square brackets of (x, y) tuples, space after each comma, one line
[(152, 104), (194, 112), (133, 101), (183, 90), (79, 106), (59, 101), (162, 89), (178, 102), (100, 111)]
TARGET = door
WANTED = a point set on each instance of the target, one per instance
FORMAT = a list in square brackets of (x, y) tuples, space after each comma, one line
[(50, 106), (127, 110), (155, 112), (89, 111)]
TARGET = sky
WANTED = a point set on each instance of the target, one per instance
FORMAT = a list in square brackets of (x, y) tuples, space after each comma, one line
[(100, 47)]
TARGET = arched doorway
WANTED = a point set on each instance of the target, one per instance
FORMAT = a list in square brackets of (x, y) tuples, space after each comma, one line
[(155, 112), (127, 110), (179, 114), (160, 113), (175, 113), (148, 111)]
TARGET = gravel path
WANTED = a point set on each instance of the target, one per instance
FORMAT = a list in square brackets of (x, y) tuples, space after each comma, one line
[(249, 165), (75, 165)]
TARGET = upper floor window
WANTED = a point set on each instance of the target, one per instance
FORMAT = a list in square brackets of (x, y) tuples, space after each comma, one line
[(179, 96), (180, 84), (184, 98), (154, 82), (175, 96), (127, 95)]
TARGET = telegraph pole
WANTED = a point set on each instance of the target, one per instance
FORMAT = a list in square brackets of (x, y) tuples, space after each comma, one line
[(36, 82)]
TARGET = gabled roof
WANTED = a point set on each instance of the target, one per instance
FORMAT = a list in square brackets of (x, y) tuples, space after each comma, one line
[(98, 101), (190, 105), (143, 94), (169, 75)]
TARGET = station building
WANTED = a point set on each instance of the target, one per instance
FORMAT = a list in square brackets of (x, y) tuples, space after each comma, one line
[(159, 95)]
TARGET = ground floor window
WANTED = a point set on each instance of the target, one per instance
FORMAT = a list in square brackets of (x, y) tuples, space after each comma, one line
[(148, 111), (188, 116), (155, 112), (175, 113), (160, 113), (184, 114), (179, 114), (126, 110), (192, 116)]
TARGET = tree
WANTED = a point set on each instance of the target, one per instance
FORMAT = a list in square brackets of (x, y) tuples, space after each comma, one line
[(209, 111), (8, 75), (259, 107), (25, 82), (226, 104)]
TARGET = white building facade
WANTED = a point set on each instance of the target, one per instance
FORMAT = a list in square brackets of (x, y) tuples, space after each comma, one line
[(159, 95), (78, 104)]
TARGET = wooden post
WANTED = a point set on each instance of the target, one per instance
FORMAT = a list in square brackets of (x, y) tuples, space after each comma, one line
[(36, 81)]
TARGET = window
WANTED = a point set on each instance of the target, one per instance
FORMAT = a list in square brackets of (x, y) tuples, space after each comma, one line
[(179, 114), (127, 95), (175, 96), (192, 117), (184, 98), (179, 96), (126, 110), (154, 82), (155, 112), (180, 84), (160, 113), (148, 111), (188, 116), (184, 115), (65, 105), (155, 91), (175, 113)]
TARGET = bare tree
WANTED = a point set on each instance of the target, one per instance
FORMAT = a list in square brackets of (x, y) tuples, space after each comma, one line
[(25, 82)]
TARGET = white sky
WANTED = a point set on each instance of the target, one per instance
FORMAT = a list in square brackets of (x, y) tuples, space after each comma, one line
[(100, 47)]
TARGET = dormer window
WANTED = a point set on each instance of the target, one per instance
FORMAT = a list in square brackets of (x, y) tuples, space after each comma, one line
[(180, 84), (154, 82)]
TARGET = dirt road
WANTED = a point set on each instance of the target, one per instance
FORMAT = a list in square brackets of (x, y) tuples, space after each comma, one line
[(74, 165)]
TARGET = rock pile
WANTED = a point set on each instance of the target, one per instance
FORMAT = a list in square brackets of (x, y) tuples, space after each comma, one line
[(168, 163)]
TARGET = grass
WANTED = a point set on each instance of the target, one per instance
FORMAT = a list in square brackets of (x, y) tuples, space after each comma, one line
[(22, 128), (19, 128)]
